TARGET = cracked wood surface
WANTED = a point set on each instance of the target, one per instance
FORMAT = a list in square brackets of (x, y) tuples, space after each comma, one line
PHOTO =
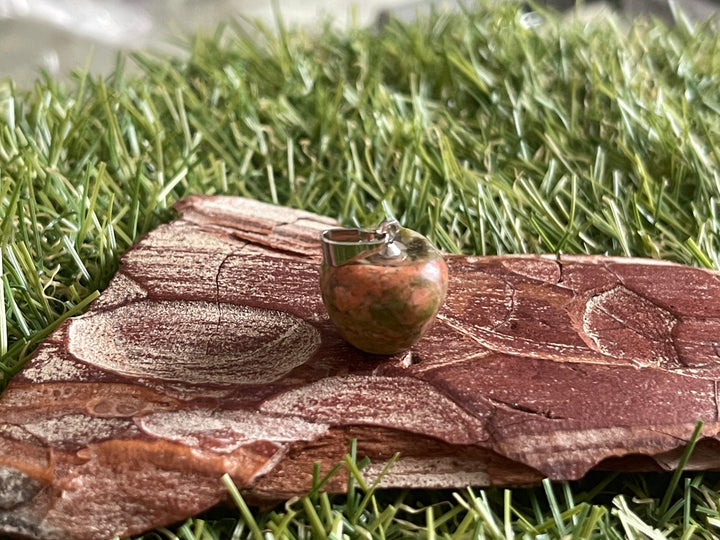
[(211, 353)]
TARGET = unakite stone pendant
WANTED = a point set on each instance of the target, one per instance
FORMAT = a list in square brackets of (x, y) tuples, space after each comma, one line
[(382, 288)]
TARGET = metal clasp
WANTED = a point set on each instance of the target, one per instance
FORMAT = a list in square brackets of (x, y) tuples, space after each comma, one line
[(341, 246)]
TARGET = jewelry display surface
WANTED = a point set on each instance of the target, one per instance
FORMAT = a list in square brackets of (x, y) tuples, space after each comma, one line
[(211, 352)]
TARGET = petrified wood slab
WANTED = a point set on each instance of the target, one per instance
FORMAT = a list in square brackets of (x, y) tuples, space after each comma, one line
[(211, 352)]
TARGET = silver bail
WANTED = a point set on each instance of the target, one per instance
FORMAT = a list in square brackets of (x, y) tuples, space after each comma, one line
[(341, 246), (391, 228)]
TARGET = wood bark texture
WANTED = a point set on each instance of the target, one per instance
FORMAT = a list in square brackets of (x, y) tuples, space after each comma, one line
[(211, 353)]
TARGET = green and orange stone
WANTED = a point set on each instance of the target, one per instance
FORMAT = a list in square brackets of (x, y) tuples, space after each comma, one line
[(382, 288)]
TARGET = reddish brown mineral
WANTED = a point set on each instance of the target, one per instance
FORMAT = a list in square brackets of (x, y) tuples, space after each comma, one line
[(211, 353)]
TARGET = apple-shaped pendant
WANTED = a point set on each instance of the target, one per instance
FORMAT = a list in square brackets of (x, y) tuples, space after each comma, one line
[(381, 288)]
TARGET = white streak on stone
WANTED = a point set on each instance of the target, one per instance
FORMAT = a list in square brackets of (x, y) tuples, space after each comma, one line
[(78, 429), (49, 366), (196, 342), (400, 403), (16, 433), (226, 431), (429, 473)]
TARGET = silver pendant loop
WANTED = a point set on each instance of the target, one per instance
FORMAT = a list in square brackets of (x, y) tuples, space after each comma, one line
[(341, 246)]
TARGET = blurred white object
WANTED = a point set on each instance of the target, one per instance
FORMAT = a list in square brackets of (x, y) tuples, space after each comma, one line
[(114, 23), (59, 36)]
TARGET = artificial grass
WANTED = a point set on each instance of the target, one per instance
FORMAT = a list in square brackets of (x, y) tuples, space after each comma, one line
[(494, 130)]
